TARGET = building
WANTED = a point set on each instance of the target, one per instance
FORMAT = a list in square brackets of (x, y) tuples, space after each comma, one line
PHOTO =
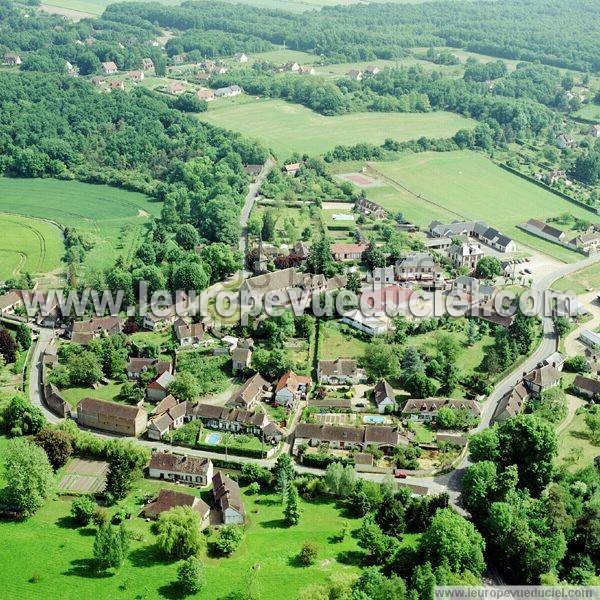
[(10, 302), (160, 316), (188, 334), (416, 266), (158, 388), (427, 409), (12, 60), (240, 57), (228, 500), (147, 64), (228, 92), (240, 359), (82, 332), (167, 418), (291, 388), (368, 208), (176, 88), (136, 75), (168, 499), (541, 229), (354, 75), (557, 360), (511, 404), (306, 70), (588, 242), (587, 386), (348, 251), (116, 84), (195, 470), (236, 420), (384, 397), (250, 393), (465, 255), (478, 230), (291, 66), (292, 168), (563, 141), (370, 324), (590, 338), (541, 378), (206, 95), (109, 68), (112, 416), (137, 366), (371, 70), (55, 402), (178, 59), (96, 80), (342, 371)]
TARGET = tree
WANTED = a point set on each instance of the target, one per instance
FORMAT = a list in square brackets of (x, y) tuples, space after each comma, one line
[(551, 405), (178, 532), (283, 472), (577, 364), (190, 575), (592, 420), (292, 511), (268, 225), (419, 385), (85, 369), (412, 362), (471, 332), (253, 473), (485, 445), (124, 463), (8, 346), (489, 267), (28, 476), (229, 539), (110, 546), (184, 387), (479, 487), (56, 444), (381, 361), (187, 237), (23, 336), (308, 554), (221, 259), (391, 516), (320, 259), (82, 509), (190, 276), (20, 417), (451, 539)]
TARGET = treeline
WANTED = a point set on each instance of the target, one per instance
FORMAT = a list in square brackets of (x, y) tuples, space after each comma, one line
[(555, 32)]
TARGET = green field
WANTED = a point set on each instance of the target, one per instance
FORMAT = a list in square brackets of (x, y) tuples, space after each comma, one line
[(289, 128), (574, 446), (339, 340), (28, 244), (589, 111), (580, 282), (466, 185), (111, 218)]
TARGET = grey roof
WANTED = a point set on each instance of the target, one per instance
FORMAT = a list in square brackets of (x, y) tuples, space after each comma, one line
[(226, 493), (193, 465), (382, 391), (587, 384)]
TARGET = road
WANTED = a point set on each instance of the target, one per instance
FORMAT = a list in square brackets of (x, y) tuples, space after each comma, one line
[(249, 204)]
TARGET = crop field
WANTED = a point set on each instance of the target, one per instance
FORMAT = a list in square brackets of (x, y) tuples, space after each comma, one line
[(111, 218), (288, 128), (28, 244), (466, 185)]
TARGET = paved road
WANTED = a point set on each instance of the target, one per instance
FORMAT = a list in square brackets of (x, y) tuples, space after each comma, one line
[(35, 373)]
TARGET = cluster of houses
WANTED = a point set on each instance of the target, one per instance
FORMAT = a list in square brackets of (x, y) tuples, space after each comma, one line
[(479, 231), (294, 67), (358, 75), (587, 242)]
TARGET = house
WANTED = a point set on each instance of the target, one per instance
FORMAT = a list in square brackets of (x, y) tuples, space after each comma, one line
[(370, 324), (342, 371), (116, 84), (71, 69), (178, 59), (206, 95), (180, 467), (291, 388), (82, 332), (563, 141), (167, 415), (96, 80), (384, 397), (368, 208), (590, 338), (354, 75), (292, 168), (240, 57), (228, 92), (511, 404), (137, 366), (175, 88), (228, 499), (10, 302), (541, 378), (240, 359), (55, 402), (159, 387), (168, 499), (250, 393), (236, 420), (416, 266), (371, 70), (588, 242), (292, 66), (136, 75), (556, 359), (12, 60), (160, 316), (109, 68), (348, 251), (387, 301), (427, 409), (147, 64), (188, 334), (543, 230), (306, 70), (587, 386), (594, 130), (112, 416), (465, 255), (479, 230), (381, 276)]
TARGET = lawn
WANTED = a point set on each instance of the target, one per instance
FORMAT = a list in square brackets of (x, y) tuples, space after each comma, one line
[(289, 128), (28, 244), (108, 392), (581, 281), (340, 341), (112, 219), (467, 185), (574, 446)]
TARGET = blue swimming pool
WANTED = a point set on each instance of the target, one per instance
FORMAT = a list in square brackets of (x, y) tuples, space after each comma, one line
[(213, 439), (374, 419)]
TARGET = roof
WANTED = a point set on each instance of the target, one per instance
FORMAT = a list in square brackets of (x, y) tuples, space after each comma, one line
[(363, 458), (164, 405), (389, 298), (555, 359), (377, 434), (382, 391), (370, 434), (292, 382), (348, 248), (97, 325), (545, 228), (587, 384), (163, 380), (543, 376), (241, 355), (137, 365), (233, 415), (246, 394), (185, 330), (226, 493), (180, 463), (10, 299), (432, 405), (168, 499), (341, 367), (113, 409), (590, 336), (417, 259), (511, 403)]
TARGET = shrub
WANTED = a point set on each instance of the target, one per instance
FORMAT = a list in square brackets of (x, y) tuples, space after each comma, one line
[(83, 510), (308, 554), (230, 537), (190, 575)]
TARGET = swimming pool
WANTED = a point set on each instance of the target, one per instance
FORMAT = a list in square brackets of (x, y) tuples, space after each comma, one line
[(213, 438), (374, 419)]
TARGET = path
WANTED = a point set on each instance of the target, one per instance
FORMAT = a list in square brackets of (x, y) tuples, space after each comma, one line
[(573, 404)]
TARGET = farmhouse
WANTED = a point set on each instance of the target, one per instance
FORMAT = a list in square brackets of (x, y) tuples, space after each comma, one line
[(564, 141), (588, 242), (166, 419), (56, 403), (168, 499), (511, 404), (427, 409), (96, 80), (291, 388), (465, 255), (116, 84), (158, 389), (137, 366), (206, 95), (292, 168), (147, 64), (240, 359), (342, 371), (82, 332), (175, 88), (188, 334), (541, 378), (543, 230), (306, 70), (384, 397), (12, 60), (178, 59), (228, 92), (250, 393), (292, 66), (416, 266), (10, 301), (368, 208), (348, 251), (478, 230), (180, 467), (354, 75), (228, 499), (240, 57), (587, 386), (112, 416), (136, 75), (109, 68)]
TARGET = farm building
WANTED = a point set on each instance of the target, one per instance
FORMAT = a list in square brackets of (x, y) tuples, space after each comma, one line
[(228, 499), (180, 467), (112, 416), (168, 499)]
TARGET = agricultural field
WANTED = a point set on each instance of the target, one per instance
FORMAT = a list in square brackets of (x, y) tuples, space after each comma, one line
[(466, 185), (581, 281), (111, 218), (28, 244), (289, 128), (88, 7)]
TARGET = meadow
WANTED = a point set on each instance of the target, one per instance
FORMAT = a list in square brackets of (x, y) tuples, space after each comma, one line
[(589, 111), (112, 219), (465, 185), (581, 281), (28, 245), (289, 128)]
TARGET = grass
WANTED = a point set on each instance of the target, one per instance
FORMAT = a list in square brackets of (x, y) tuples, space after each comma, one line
[(93, 7), (574, 446), (108, 392), (581, 281), (289, 128), (589, 111), (467, 185), (28, 244), (339, 340), (112, 219)]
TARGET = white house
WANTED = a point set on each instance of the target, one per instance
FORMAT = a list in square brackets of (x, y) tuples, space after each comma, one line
[(228, 499), (384, 397), (290, 388), (175, 467)]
